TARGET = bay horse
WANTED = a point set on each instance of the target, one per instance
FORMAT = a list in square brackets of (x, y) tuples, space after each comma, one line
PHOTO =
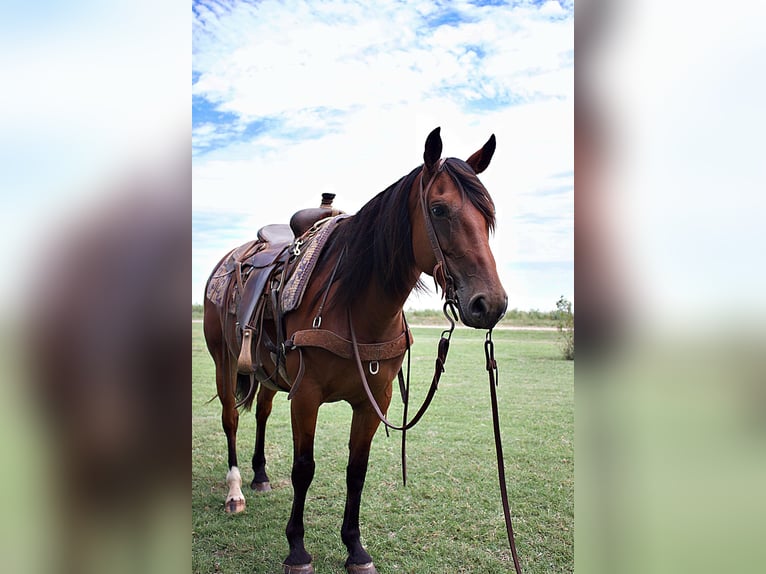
[(435, 220)]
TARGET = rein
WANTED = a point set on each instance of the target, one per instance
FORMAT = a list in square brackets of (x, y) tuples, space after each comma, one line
[(491, 365)]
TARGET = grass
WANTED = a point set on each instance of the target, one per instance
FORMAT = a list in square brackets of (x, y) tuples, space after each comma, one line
[(449, 517)]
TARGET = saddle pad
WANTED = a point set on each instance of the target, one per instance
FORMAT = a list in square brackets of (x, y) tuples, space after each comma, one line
[(314, 242), (219, 279)]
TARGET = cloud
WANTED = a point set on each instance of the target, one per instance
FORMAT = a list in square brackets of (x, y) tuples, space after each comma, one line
[(298, 98), (553, 8), (273, 60)]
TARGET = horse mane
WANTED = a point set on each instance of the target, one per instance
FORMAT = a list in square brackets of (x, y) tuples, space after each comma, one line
[(376, 243)]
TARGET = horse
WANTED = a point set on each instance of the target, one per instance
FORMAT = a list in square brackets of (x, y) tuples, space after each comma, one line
[(435, 221)]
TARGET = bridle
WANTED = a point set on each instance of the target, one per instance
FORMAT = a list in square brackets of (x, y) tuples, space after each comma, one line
[(443, 278), (441, 271)]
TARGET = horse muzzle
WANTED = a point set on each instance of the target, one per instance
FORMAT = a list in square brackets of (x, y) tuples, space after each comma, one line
[(482, 310)]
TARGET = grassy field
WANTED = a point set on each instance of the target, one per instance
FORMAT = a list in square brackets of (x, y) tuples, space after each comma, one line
[(449, 517)]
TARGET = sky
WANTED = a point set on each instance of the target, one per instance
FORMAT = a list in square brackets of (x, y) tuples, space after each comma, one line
[(292, 99)]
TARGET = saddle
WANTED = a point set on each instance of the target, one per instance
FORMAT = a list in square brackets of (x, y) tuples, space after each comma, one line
[(265, 278)]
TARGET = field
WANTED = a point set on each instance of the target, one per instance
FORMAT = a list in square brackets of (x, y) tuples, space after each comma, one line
[(449, 517)]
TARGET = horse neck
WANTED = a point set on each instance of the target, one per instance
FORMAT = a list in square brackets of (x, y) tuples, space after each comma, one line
[(378, 315)]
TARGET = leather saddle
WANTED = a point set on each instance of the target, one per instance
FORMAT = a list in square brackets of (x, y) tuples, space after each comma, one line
[(248, 284)]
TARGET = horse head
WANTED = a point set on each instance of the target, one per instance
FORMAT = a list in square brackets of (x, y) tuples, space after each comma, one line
[(451, 234)]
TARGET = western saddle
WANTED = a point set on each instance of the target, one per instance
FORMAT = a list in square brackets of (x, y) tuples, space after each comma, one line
[(265, 279)]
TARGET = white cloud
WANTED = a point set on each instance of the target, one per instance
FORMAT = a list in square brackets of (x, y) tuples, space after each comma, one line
[(270, 59), (552, 8)]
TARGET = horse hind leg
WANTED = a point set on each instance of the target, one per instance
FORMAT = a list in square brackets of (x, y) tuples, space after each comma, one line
[(225, 380), (263, 406)]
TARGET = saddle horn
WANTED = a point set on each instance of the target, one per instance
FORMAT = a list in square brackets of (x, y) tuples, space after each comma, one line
[(302, 220)]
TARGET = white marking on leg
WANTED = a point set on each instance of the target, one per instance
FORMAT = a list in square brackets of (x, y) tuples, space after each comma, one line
[(234, 480)]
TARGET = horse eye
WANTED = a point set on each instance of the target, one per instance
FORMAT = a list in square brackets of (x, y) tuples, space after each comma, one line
[(439, 210)]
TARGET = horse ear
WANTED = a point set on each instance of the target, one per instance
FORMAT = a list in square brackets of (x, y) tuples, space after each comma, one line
[(433, 149), (480, 160)]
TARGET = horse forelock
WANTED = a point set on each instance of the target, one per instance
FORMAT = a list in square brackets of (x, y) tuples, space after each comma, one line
[(472, 188)]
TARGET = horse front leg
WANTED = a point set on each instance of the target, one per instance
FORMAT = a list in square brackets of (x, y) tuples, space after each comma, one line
[(304, 416), (363, 426), (262, 411)]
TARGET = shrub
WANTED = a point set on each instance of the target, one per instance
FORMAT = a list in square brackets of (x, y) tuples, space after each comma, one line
[(565, 325)]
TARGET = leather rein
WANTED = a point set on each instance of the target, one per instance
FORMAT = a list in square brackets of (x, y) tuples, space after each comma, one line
[(444, 280)]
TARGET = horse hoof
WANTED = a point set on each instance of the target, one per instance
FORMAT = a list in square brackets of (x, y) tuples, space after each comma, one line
[(234, 505), (298, 569), (368, 568), (260, 486)]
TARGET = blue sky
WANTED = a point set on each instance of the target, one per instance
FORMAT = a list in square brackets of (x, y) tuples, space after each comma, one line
[(291, 99)]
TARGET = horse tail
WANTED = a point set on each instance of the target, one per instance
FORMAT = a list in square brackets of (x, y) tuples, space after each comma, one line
[(245, 390)]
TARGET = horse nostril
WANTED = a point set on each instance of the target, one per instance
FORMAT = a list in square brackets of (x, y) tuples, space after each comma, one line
[(478, 306)]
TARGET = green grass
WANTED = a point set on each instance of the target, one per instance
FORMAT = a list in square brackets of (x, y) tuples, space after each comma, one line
[(449, 517)]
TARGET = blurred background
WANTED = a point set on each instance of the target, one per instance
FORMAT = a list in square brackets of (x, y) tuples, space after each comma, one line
[(670, 397), (96, 203), (669, 277)]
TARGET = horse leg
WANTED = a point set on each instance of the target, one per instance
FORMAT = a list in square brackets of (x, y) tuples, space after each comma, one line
[(225, 377), (262, 412), (363, 426), (303, 410)]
